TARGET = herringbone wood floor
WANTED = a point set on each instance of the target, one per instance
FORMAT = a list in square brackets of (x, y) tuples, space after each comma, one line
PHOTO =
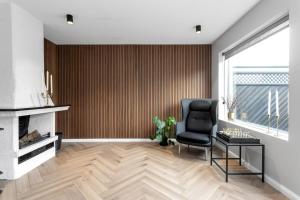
[(132, 171)]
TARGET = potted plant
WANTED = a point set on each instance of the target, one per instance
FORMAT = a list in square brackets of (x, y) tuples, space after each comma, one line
[(163, 129), (231, 105)]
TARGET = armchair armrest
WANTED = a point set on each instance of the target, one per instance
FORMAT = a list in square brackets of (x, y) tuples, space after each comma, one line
[(180, 127), (214, 131)]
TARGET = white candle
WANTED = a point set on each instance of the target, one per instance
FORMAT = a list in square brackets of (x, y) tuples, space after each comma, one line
[(47, 81), (269, 103), (277, 104), (51, 84)]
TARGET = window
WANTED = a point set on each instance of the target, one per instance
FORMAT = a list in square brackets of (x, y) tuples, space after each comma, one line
[(256, 74)]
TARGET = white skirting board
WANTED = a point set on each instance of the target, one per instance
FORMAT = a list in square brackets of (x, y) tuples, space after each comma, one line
[(284, 190), (101, 140)]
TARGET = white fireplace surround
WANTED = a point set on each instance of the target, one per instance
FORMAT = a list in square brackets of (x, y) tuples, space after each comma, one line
[(41, 119), (21, 58)]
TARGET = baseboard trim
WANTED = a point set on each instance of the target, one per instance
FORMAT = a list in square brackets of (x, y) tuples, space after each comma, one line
[(275, 184), (103, 140)]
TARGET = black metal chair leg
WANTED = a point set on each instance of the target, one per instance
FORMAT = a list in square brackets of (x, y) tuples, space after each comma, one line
[(211, 153)]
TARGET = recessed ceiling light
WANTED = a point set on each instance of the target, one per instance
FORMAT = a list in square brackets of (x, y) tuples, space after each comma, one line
[(69, 18), (198, 29)]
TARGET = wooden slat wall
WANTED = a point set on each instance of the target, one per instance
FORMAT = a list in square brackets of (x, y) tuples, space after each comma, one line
[(115, 90), (51, 64)]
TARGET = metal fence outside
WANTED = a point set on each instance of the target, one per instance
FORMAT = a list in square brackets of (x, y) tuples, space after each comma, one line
[(252, 89)]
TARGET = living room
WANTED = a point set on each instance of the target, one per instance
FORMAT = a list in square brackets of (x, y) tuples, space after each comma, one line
[(149, 99)]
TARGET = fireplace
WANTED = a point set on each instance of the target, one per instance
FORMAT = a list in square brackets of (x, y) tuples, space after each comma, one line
[(27, 138)]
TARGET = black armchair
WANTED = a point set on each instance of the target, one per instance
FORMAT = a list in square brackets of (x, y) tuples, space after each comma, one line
[(199, 123)]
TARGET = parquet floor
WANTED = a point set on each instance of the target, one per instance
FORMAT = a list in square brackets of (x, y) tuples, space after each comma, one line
[(132, 171)]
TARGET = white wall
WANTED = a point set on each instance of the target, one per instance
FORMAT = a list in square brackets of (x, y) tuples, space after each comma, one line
[(282, 157), (22, 58), (6, 72), (28, 57)]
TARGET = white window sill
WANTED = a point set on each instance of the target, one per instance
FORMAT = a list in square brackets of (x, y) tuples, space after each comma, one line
[(252, 127)]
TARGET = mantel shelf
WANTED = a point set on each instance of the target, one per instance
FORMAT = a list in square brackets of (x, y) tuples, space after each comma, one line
[(31, 108), (15, 112)]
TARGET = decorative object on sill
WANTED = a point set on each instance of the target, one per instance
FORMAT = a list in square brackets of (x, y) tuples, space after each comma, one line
[(244, 116), (231, 116), (48, 95), (277, 112), (243, 111), (231, 106), (163, 129)]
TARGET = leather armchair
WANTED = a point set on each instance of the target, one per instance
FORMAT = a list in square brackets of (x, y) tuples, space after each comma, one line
[(199, 123)]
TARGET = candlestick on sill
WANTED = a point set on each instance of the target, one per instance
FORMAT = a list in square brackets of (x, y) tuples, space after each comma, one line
[(269, 103), (277, 104), (269, 123), (277, 125)]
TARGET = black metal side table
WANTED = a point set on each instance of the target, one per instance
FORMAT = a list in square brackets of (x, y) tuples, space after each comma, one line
[(240, 145)]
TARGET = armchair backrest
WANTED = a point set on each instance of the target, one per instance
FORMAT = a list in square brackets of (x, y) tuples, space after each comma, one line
[(199, 115)]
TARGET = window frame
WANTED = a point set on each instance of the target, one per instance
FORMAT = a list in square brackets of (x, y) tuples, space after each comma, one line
[(224, 68)]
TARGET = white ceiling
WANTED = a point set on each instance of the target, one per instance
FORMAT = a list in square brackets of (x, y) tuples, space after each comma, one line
[(136, 21)]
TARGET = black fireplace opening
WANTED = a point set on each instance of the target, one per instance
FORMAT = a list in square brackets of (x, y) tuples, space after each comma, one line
[(27, 138), (23, 125)]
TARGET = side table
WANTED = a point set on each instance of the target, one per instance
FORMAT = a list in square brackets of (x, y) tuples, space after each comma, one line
[(240, 145)]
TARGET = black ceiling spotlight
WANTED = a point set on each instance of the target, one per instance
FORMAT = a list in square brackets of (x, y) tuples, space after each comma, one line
[(69, 18), (198, 29)]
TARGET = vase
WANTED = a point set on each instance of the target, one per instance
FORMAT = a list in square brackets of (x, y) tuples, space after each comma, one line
[(164, 141), (231, 115)]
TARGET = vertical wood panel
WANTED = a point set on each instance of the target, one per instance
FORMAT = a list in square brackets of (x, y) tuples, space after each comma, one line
[(115, 90), (51, 64)]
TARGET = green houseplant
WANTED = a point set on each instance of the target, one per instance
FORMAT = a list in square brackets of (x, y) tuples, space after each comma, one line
[(163, 129)]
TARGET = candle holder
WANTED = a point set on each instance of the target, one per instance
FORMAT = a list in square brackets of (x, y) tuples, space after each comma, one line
[(277, 124), (46, 95), (269, 123)]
